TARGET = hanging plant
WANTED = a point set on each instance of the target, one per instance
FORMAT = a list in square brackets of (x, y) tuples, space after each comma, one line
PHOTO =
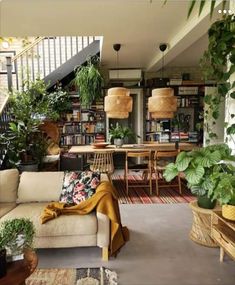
[(218, 63), (89, 82)]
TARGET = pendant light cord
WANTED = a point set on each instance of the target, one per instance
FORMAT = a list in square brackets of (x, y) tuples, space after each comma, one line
[(117, 65), (163, 63)]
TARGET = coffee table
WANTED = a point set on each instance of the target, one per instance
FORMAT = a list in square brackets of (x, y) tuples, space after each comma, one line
[(19, 271)]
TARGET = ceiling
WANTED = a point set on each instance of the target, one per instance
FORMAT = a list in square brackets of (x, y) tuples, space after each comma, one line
[(138, 25)]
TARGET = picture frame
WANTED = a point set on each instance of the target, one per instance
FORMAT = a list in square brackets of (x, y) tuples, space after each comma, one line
[(3, 67)]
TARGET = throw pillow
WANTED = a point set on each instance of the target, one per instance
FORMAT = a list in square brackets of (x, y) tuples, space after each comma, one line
[(79, 186)]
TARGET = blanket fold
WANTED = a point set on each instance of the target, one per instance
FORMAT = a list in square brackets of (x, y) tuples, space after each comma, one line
[(103, 201)]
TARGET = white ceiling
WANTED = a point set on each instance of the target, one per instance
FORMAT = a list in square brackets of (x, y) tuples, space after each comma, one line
[(139, 25)]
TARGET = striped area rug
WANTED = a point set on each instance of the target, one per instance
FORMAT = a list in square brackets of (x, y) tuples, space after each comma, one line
[(140, 195)]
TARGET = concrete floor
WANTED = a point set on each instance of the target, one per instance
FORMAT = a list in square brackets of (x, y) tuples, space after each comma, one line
[(159, 251)]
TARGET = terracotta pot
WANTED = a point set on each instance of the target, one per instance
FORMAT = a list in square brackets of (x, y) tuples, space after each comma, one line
[(228, 212)]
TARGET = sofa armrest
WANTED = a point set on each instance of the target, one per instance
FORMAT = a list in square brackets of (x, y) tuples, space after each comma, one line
[(103, 232)]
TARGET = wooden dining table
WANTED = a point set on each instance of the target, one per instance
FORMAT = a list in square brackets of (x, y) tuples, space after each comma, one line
[(86, 149)]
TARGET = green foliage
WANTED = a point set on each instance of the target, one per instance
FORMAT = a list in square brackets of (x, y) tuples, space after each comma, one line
[(10, 229), (199, 166), (89, 81), (59, 101), (120, 132), (214, 64), (28, 108)]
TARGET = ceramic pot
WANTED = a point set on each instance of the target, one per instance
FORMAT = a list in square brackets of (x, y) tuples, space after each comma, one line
[(205, 202), (228, 212), (3, 263), (118, 142)]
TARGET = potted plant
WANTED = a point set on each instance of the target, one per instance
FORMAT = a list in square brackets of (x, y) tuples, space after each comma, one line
[(119, 133), (198, 167), (24, 142), (89, 82), (223, 189), (16, 235)]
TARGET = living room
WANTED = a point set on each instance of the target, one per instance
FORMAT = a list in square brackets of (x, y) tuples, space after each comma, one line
[(138, 47)]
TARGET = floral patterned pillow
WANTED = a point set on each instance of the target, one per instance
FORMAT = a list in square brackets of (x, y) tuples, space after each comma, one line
[(79, 186)]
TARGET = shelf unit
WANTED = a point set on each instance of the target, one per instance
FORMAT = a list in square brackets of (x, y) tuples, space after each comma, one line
[(223, 232), (183, 127), (82, 125)]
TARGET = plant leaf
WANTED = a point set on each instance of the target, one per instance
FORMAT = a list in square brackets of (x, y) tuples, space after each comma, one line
[(171, 172), (194, 175)]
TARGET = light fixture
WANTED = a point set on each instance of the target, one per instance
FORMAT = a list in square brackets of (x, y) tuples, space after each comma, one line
[(118, 102), (162, 104)]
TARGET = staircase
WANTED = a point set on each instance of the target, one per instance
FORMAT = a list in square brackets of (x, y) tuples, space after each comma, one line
[(4, 119), (52, 58), (48, 58)]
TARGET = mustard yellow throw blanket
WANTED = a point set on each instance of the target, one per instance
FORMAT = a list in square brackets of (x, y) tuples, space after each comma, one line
[(105, 202)]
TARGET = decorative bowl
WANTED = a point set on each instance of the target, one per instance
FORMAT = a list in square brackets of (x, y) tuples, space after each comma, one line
[(100, 144)]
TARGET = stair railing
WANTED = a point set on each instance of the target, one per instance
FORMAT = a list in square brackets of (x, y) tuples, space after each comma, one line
[(45, 55), (4, 122)]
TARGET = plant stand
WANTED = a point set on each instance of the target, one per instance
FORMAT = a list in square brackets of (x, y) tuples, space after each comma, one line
[(201, 227)]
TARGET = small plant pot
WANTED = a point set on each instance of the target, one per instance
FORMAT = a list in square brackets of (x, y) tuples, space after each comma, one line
[(118, 142), (228, 212), (3, 263), (205, 202)]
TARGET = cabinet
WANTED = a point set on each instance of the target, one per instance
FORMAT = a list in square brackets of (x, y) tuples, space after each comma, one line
[(82, 125), (183, 127), (223, 232)]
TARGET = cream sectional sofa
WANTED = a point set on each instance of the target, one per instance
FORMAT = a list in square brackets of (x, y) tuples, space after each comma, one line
[(26, 195)]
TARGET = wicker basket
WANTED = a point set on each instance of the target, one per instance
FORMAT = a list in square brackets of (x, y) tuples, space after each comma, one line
[(228, 212), (201, 227)]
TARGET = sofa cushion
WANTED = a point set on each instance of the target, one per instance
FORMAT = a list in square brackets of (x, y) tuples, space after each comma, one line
[(65, 225), (40, 186), (6, 207), (78, 186), (9, 180)]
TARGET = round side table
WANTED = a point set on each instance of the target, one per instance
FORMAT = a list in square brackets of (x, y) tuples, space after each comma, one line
[(19, 271), (201, 227)]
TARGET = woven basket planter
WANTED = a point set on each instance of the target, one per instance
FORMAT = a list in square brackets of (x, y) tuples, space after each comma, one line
[(228, 212), (162, 104), (118, 103)]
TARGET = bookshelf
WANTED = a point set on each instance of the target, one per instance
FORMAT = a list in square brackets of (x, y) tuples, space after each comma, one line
[(183, 127), (82, 125)]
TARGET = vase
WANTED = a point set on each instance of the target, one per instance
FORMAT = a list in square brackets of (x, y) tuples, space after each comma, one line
[(118, 142), (3, 263), (205, 202)]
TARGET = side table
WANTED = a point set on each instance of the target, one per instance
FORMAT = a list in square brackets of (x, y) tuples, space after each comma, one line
[(201, 227), (19, 271), (223, 232)]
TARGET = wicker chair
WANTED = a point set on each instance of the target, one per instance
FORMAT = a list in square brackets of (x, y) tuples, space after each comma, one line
[(103, 162)]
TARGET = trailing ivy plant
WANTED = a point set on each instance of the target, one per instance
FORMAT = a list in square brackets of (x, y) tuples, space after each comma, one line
[(218, 63), (89, 81)]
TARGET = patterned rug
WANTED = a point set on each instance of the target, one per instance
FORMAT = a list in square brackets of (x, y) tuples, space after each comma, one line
[(140, 195), (80, 276)]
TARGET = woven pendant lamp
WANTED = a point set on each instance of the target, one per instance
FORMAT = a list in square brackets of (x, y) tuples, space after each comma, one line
[(162, 104), (118, 102)]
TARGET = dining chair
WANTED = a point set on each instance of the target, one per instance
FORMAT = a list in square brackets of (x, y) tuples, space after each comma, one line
[(161, 160), (103, 162), (146, 168)]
